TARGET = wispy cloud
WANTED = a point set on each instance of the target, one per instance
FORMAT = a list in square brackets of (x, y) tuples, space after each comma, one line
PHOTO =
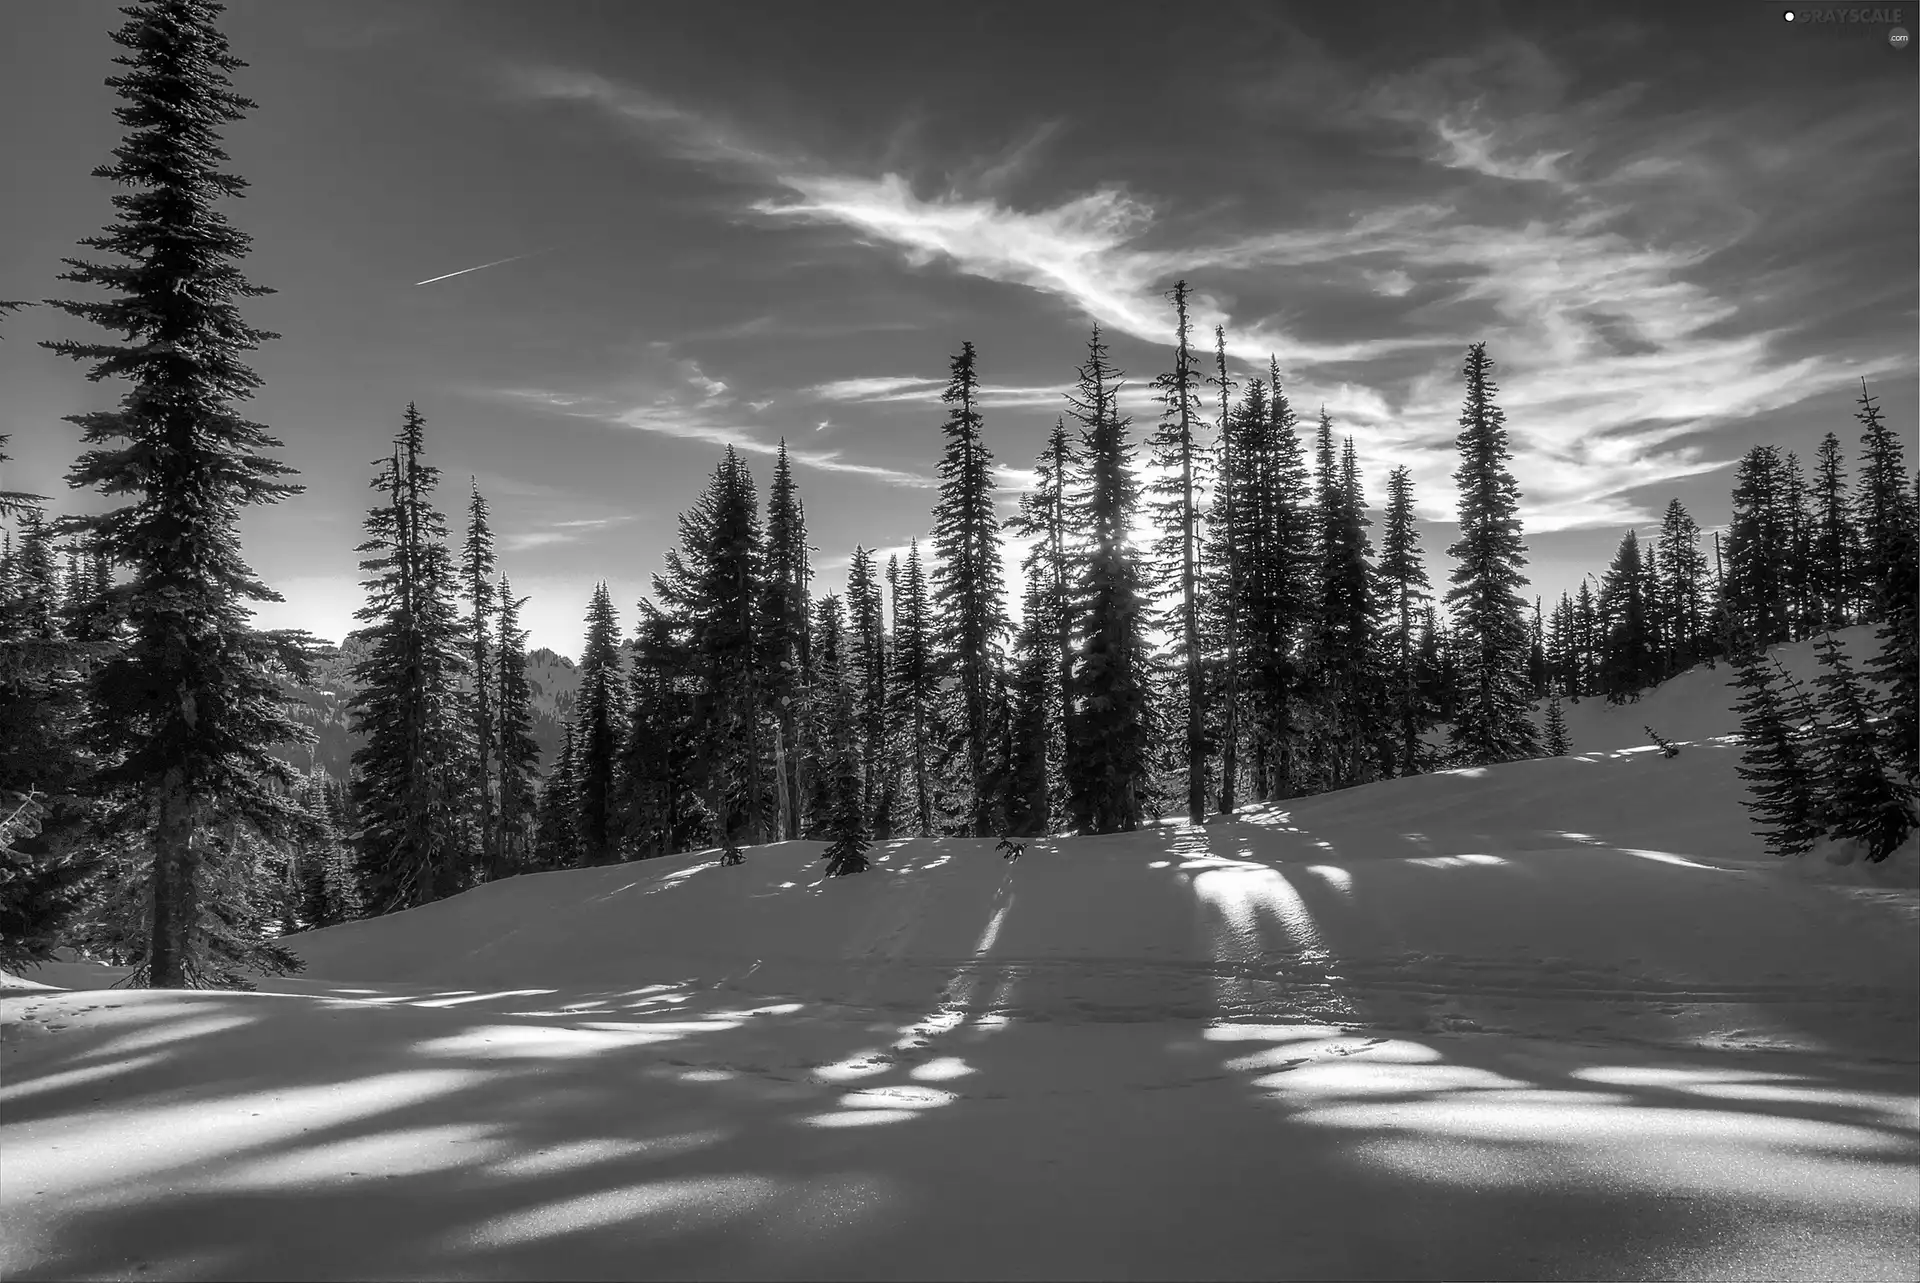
[(558, 532)]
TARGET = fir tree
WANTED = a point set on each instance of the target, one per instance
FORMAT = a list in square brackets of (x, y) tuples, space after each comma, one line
[(915, 686), (866, 662), (412, 770), (1110, 744), (1031, 693), (599, 719), (1867, 801), (1796, 579), (1776, 759), (517, 750), (556, 838), (847, 821), (1627, 659), (1227, 571), (1882, 505), (189, 706), (656, 782), (1759, 549), (782, 632), (827, 685), (1895, 668), (476, 572), (1179, 455), (1834, 552), (1492, 724), (1683, 587), (1403, 579), (1556, 725), (967, 582), (1045, 517)]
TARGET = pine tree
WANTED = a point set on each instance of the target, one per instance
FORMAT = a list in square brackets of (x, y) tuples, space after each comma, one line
[(656, 786), (556, 838), (1683, 587), (915, 686), (967, 582), (476, 571), (517, 750), (1867, 800), (827, 686), (1759, 549), (1493, 724), (1224, 565), (1627, 658), (847, 819), (1797, 579), (1586, 629), (599, 718), (1777, 760), (782, 632), (1895, 669), (1403, 579), (1031, 694), (1180, 456), (1882, 505), (710, 592), (1045, 517), (412, 770), (189, 706), (1556, 725), (1834, 551), (866, 662), (1110, 745)]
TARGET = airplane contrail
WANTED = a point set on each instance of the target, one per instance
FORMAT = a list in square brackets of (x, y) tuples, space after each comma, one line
[(496, 262)]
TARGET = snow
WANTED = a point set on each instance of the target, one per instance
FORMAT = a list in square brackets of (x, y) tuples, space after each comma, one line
[(1558, 1018)]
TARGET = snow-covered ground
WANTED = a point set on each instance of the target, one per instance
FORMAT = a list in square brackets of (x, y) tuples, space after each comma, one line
[(1557, 1019)]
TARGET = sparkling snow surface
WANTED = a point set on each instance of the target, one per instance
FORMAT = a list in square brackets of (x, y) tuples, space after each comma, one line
[(1555, 1019)]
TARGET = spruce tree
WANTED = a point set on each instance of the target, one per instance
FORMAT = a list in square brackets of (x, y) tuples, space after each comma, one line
[(1556, 725), (1045, 517), (846, 821), (827, 688), (1895, 668), (915, 686), (1868, 800), (1777, 760), (1110, 745), (782, 633), (1180, 456), (1492, 723), (412, 769), (866, 662), (1031, 693), (1403, 579), (967, 582), (599, 718), (1626, 659), (517, 750), (1882, 505), (1759, 549), (556, 843), (1225, 566), (1797, 579), (476, 572), (1683, 571), (1833, 550), (189, 707)]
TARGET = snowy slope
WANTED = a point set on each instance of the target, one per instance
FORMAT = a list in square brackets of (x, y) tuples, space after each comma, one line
[(1554, 1019)]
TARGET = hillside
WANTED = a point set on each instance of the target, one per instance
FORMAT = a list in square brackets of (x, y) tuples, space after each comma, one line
[(1554, 1019)]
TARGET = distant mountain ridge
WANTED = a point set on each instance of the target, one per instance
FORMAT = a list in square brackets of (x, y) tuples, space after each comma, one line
[(322, 705)]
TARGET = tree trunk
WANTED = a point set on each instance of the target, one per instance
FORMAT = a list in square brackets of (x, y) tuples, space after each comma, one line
[(175, 864)]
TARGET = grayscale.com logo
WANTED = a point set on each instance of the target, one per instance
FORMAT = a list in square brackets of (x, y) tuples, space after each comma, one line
[(1897, 37)]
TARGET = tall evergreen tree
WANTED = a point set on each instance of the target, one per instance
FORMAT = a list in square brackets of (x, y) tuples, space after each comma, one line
[(412, 770), (556, 834), (1225, 565), (1777, 759), (1882, 505), (1045, 517), (1111, 729), (1626, 662), (1868, 799), (517, 751), (1556, 725), (967, 582), (599, 720), (1180, 456), (1797, 579), (1834, 551), (844, 815), (915, 686), (1759, 549), (831, 706), (1895, 668), (783, 633), (1403, 579), (1683, 587), (476, 572), (710, 591), (866, 662), (1031, 692), (1492, 724), (189, 703)]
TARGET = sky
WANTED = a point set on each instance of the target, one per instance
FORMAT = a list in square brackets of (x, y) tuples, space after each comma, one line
[(1681, 230)]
